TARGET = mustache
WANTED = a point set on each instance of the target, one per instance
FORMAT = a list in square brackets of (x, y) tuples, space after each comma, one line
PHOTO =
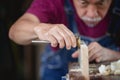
[(97, 19)]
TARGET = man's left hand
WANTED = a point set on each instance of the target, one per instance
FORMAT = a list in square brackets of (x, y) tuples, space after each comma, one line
[(99, 53)]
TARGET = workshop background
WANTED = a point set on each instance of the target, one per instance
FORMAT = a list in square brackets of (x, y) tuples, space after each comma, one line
[(16, 62)]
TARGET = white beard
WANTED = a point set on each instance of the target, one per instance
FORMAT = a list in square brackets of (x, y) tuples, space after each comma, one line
[(91, 25), (95, 20)]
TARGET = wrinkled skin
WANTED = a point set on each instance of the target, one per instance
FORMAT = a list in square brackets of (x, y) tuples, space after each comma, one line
[(56, 34), (99, 53), (92, 11)]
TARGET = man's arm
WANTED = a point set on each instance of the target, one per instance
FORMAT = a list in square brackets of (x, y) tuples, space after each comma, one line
[(29, 27), (22, 31)]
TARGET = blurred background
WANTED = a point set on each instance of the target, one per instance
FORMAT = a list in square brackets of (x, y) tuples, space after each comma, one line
[(16, 62)]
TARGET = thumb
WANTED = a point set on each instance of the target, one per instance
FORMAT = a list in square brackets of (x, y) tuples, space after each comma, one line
[(75, 54)]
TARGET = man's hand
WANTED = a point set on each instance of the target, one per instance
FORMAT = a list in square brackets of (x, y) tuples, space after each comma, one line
[(56, 34), (99, 53)]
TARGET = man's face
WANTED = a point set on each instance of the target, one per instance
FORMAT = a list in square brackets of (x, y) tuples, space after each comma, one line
[(92, 11)]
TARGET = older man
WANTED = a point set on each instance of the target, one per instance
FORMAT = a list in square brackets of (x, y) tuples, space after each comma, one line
[(57, 21)]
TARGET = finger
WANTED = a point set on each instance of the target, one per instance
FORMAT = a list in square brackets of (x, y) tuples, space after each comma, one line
[(91, 52), (94, 50), (71, 35), (93, 45), (59, 39), (66, 37), (95, 56), (90, 46), (73, 38), (75, 54), (52, 40)]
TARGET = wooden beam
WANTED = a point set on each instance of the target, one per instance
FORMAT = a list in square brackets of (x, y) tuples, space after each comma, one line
[(84, 61)]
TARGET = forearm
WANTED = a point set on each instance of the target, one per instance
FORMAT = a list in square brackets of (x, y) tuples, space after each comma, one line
[(22, 32), (28, 27)]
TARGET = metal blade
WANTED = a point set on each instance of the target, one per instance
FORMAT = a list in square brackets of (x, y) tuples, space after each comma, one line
[(40, 41)]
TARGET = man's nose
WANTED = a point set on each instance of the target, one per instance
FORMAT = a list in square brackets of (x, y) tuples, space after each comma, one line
[(92, 11)]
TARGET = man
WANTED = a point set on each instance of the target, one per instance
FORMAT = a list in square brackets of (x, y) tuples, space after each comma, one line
[(57, 21)]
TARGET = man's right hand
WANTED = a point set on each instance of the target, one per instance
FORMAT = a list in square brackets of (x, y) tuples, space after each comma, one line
[(56, 34)]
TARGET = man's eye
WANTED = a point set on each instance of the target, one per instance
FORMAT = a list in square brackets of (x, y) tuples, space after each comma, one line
[(83, 3), (100, 4)]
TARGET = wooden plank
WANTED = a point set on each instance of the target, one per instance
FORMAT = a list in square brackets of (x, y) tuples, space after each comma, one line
[(84, 62)]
